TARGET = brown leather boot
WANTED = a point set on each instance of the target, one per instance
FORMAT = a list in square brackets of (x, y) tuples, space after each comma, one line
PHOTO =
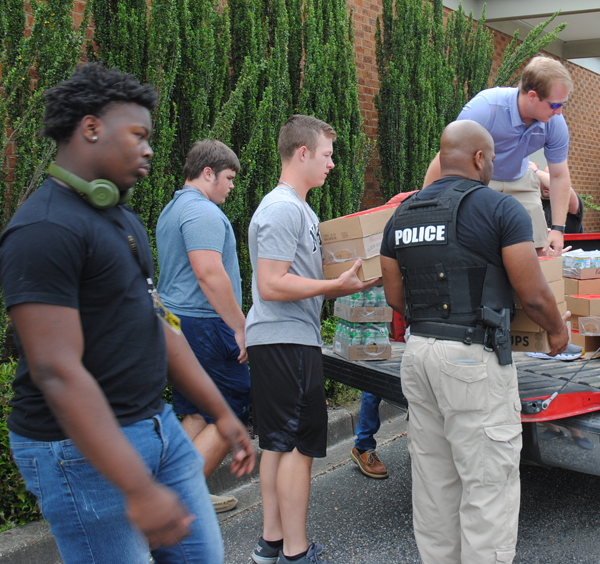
[(369, 464)]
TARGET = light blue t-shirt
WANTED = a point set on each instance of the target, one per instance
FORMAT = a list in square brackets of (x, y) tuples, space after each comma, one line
[(284, 228), (191, 222), (496, 109)]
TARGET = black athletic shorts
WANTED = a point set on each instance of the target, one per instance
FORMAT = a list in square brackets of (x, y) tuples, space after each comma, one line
[(288, 398)]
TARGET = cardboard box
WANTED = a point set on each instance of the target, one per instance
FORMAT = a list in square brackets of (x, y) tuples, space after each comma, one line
[(370, 268), (581, 273), (574, 286), (357, 225), (529, 341), (522, 323), (362, 352), (590, 344), (574, 319), (340, 251), (557, 287), (584, 305), (363, 314), (552, 268)]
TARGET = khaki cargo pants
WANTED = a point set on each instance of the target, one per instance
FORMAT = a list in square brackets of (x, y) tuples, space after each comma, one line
[(464, 440), (527, 191)]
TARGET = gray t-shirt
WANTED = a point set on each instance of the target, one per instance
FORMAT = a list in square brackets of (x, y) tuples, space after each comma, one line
[(191, 222), (285, 228)]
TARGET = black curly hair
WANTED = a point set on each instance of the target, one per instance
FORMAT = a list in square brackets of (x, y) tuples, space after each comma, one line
[(89, 91)]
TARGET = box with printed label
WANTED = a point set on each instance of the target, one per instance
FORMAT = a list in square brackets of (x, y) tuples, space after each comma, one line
[(522, 323), (581, 273), (574, 286), (340, 251), (370, 268), (357, 225), (362, 352), (527, 341), (552, 268), (557, 287), (363, 314), (584, 305)]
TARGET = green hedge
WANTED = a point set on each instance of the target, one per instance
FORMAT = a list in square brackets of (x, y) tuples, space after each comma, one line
[(17, 505), (427, 72), (235, 73)]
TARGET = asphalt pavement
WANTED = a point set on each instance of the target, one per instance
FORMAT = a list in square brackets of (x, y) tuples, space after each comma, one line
[(365, 521)]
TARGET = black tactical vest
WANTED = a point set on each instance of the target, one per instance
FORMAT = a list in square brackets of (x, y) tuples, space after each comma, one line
[(444, 281)]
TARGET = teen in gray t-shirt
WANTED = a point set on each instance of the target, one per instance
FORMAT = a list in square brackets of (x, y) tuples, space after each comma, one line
[(285, 228)]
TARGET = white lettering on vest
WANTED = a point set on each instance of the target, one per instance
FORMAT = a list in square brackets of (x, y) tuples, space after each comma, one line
[(423, 233)]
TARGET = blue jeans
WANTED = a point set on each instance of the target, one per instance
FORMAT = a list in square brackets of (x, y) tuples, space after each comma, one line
[(368, 422), (87, 513)]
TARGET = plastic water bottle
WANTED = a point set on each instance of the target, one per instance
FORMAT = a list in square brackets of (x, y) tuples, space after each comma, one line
[(370, 297), (355, 334), (379, 296), (356, 300), (376, 334)]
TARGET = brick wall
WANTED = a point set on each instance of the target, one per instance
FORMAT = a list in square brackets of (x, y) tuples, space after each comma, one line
[(582, 113)]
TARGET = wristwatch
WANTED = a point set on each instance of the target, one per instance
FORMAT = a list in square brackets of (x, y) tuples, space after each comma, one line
[(560, 228)]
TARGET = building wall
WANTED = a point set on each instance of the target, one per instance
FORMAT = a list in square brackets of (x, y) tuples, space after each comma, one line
[(582, 113)]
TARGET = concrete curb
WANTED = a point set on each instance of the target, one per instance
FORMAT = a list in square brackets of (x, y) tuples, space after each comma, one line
[(34, 544)]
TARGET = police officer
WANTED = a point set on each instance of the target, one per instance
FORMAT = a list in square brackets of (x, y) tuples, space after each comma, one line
[(450, 255)]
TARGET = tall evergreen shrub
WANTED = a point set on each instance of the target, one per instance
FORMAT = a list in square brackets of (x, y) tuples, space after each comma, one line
[(426, 73), (30, 65), (330, 92)]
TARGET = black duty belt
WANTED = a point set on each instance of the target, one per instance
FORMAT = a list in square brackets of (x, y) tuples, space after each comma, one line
[(449, 332)]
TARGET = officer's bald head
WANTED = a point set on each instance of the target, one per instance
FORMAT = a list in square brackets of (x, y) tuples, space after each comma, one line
[(467, 149)]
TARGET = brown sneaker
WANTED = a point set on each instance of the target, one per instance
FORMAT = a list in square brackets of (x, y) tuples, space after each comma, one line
[(369, 464), (223, 503)]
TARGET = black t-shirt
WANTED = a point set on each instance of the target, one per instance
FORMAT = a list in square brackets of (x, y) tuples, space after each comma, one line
[(487, 221), (60, 250), (574, 220)]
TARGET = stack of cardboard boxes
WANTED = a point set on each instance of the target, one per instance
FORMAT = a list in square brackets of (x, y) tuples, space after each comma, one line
[(527, 335), (577, 289), (348, 238), (582, 289)]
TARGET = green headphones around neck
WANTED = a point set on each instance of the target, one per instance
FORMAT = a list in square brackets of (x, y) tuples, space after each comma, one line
[(100, 193)]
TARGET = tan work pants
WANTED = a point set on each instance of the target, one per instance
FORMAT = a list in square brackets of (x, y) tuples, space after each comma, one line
[(465, 441), (527, 191)]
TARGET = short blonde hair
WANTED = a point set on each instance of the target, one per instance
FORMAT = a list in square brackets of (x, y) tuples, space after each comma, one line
[(540, 75), (302, 131)]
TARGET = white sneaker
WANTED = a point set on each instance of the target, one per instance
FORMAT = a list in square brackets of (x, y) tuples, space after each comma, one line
[(572, 352), (223, 503)]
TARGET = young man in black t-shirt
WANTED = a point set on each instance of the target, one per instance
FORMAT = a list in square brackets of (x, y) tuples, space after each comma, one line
[(112, 469)]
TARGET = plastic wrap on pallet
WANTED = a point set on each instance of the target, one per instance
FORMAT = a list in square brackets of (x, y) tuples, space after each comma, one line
[(589, 326)]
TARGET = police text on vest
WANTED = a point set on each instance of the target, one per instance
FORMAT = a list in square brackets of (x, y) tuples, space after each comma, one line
[(422, 234)]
